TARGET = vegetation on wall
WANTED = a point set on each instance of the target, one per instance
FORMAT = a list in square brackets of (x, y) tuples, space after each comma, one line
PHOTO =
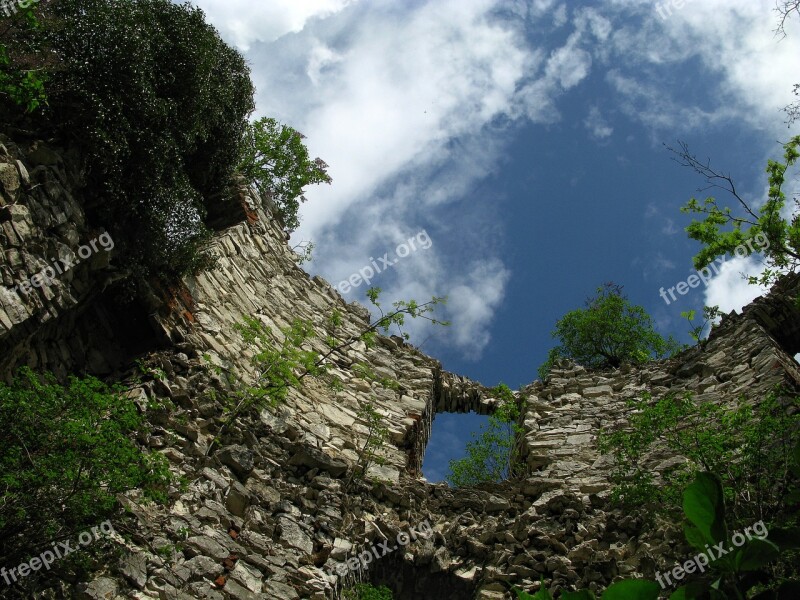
[(746, 229), (757, 562), (752, 449), (157, 104), (746, 444), (21, 83), (608, 332), (277, 163), (367, 591), (282, 365), (491, 454), (67, 450)]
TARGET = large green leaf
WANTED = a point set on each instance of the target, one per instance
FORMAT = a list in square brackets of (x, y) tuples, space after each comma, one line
[(690, 591), (786, 538), (694, 536), (756, 554), (704, 506), (632, 589)]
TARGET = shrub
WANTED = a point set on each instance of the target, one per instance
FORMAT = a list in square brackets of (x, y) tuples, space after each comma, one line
[(276, 161), (490, 456), (371, 452), (21, 84), (608, 332), (157, 103), (366, 591), (67, 450), (750, 447)]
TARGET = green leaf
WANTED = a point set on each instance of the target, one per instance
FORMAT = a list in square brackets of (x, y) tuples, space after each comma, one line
[(704, 506), (694, 536), (581, 595), (690, 591), (756, 554), (786, 538), (632, 589)]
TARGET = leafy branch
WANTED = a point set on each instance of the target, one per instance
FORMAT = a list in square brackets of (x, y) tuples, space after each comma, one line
[(284, 367)]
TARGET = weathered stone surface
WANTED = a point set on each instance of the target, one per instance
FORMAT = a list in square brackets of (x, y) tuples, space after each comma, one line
[(292, 535), (280, 591), (134, 568), (317, 459), (267, 514), (103, 588), (238, 458)]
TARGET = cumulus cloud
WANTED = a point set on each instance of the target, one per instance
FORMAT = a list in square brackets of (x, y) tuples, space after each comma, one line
[(729, 290), (751, 69), (407, 104), (243, 22), (412, 105)]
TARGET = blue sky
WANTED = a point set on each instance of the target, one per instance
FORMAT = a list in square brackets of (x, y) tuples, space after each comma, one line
[(525, 139)]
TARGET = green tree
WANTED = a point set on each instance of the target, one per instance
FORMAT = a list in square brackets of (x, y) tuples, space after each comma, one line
[(491, 456), (21, 84), (607, 333), (156, 104), (276, 161), (65, 452), (747, 229)]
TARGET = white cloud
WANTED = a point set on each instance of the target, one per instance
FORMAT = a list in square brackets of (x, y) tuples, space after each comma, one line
[(729, 290), (408, 104), (598, 127), (734, 41), (570, 64), (243, 22), (412, 105)]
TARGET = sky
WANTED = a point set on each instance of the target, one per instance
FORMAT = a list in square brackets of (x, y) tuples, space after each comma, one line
[(509, 154)]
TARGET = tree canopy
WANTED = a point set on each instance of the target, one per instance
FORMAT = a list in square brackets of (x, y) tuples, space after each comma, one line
[(607, 333)]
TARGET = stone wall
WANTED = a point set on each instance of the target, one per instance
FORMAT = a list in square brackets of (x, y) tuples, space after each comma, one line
[(740, 359), (269, 515)]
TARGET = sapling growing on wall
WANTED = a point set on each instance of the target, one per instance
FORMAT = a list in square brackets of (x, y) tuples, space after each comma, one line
[(371, 452), (284, 365), (610, 331), (491, 455), (710, 313)]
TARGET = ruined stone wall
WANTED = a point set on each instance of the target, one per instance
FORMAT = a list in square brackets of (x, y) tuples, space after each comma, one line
[(267, 515), (741, 359)]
